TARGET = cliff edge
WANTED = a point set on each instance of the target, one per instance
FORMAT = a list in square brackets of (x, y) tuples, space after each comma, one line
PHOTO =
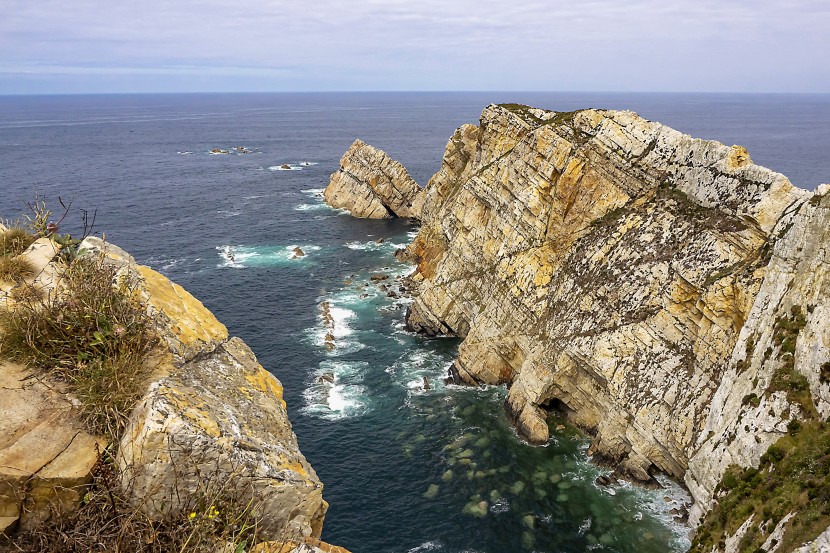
[(209, 423), (663, 291)]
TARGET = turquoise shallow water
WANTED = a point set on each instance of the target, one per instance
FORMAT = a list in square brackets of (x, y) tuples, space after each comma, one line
[(405, 469)]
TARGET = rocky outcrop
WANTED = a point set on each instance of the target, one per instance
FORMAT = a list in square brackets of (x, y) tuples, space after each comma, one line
[(599, 262), (372, 185), (211, 416), (650, 285), (46, 457)]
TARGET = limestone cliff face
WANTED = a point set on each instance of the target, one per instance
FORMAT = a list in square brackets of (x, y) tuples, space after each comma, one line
[(748, 413), (600, 262), (664, 291), (211, 413), (372, 185)]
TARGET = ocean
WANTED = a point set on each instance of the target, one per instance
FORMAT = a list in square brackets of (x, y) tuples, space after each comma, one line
[(405, 469)]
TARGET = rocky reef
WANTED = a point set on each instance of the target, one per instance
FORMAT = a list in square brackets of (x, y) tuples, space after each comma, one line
[(666, 293), (370, 184), (210, 413)]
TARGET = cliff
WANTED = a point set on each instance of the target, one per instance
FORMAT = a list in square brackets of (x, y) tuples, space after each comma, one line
[(638, 279), (209, 424), (372, 185)]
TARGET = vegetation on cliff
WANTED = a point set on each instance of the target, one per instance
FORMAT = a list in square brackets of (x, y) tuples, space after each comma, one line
[(96, 331), (790, 488), (92, 331)]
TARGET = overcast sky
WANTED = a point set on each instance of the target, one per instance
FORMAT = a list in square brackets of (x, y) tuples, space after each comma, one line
[(242, 45)]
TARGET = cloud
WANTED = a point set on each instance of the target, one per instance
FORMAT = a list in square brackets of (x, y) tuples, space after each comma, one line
[(431, 44)]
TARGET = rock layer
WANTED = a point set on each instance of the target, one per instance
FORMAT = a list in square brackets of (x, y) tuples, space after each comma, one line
[(372, 185), (599, 262), (633, 277)]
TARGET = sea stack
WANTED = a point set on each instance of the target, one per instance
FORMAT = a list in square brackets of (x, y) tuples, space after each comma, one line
[(371, 185)]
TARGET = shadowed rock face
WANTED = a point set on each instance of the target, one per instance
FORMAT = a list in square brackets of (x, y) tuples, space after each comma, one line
[(607, 265), (372, 185)]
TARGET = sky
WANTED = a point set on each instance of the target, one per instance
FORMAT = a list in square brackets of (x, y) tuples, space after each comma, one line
[(82, 46)]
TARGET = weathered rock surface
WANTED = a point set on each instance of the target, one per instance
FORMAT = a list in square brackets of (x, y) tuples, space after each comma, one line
[(600, 262), (631, 276), (211, 415), (216, 418), (46, 457), (372, 185), (739, 431)]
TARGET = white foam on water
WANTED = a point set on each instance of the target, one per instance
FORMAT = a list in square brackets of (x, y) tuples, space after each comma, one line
[(240, 256), (313, 192), (364, 246), (311, 207), (307, 163), (281, 168), (225, 213), (426, 546), (184, 153), (341, 317), (342, 398)]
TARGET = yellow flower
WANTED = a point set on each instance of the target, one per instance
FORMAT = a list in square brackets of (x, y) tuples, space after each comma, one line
[(192, 515)]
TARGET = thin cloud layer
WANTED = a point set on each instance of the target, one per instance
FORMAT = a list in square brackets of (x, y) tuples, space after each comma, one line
[(760, 45)]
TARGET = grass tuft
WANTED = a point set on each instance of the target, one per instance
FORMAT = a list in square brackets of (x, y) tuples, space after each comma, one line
[(216, 518), (93, 333), (14, 241), (15, 269)]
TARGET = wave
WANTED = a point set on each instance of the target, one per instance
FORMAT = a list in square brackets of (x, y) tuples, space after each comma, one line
[(337, 391), (240, 257)]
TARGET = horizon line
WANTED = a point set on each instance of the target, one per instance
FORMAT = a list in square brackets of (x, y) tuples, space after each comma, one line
[(206, 92)]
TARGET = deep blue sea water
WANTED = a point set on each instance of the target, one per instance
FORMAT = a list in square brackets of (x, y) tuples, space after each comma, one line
[(405, 470)]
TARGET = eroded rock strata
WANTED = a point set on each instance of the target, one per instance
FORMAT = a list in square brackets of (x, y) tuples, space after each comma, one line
[(372, 185), (635, 278)]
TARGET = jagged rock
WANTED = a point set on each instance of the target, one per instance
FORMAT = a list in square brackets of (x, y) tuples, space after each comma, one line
[(798, 275), (186, 430), (297, 252), (597, 260), (211, 414), (372, 185), (630, 276), (326, 378)]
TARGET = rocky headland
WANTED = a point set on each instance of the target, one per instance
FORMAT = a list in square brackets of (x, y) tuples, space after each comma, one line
[(209, 424), (666, 293)]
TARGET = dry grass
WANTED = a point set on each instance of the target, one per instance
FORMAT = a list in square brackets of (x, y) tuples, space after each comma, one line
[(107, 522), (94, 334), (14, 241), (15, 269)]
